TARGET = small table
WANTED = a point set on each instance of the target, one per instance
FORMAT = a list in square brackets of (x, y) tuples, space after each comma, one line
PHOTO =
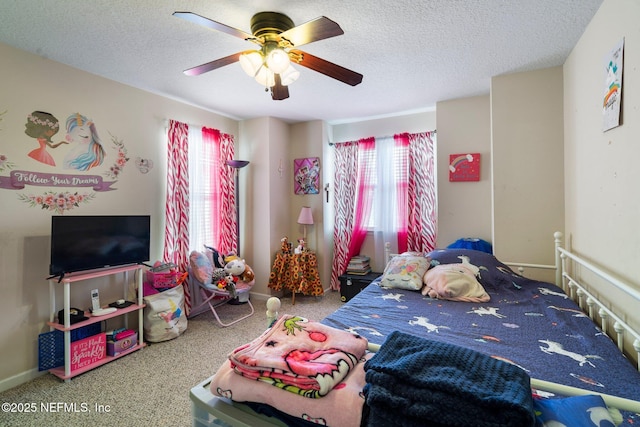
[(296, 273)]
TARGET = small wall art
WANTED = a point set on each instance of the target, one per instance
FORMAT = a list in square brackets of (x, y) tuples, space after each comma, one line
[(306, 178), (464, 167), (612, 98)]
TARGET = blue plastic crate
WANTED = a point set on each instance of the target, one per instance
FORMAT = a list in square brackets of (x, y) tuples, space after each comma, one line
[(83, 332), (51, 345)]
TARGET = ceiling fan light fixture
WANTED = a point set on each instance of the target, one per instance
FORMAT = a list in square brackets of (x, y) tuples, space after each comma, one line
[(265, 77), (251, 62), (278, 60), (289, 75)]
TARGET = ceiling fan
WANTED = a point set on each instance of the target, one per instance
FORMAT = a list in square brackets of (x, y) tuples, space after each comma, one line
[(278, 39)]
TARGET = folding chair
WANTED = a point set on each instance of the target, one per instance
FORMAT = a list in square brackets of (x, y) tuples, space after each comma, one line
[(205, 295)]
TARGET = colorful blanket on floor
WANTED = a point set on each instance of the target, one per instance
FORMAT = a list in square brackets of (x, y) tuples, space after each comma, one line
[(413, 381), (300, 356)]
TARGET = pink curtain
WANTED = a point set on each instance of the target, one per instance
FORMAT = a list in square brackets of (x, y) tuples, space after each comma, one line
[(176, 236), (227, 240), (364, 194), (421, 201), (218, 148), (176, 233), (344, 183), (352, 179), (402, 142)]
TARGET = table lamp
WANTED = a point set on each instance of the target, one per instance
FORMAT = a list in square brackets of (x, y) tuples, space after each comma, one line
[(305, 218)]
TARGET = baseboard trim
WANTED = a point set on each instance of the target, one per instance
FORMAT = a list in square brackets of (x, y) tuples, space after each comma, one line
[(260, 296), (20, 379)]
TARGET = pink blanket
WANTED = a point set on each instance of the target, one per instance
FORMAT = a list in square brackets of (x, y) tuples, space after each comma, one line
[(300, 356), (342, 407)]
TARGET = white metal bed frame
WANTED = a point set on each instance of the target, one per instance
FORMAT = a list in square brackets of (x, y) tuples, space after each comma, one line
[(206, 406)]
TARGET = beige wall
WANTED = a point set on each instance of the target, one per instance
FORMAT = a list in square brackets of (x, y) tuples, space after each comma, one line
[(309, 140), (264, 194), (601, 168), (527, 152), (138, 118), (464, 208)]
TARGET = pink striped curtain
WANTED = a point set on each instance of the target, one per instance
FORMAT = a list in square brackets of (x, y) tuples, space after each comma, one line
[(402, 146), (227, 240), (346, 168), (421, 203), (176, 236), (218, 148), (364, 194), (349, 228)]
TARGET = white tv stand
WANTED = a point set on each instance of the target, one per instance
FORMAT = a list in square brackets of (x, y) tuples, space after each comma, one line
[(65, 372)]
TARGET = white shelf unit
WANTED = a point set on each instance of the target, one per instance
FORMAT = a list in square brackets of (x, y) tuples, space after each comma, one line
[(65, 372)]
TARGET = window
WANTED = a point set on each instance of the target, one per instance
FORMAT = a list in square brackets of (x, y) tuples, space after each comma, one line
[(389, 163), (207, 192)]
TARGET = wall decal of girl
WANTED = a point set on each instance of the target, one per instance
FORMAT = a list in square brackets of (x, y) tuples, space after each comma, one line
[(88, 151), (42, 126)]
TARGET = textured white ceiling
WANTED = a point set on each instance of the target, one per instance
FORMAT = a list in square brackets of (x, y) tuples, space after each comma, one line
[(412, 53)]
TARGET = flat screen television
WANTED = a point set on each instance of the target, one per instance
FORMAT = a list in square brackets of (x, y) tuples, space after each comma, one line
[(89, 242)]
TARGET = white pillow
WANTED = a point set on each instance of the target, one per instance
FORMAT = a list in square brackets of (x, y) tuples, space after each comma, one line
[(453, 282), (405, 272)]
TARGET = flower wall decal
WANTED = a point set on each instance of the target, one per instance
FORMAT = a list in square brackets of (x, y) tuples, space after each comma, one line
[(57, 201)]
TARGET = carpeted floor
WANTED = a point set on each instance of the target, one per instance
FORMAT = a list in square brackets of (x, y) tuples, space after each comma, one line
[(149, 387)]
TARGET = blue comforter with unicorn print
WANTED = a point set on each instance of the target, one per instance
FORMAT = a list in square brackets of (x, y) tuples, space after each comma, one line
[(531, 324)]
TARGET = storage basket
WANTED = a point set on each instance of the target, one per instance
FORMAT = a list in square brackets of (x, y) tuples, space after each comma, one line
[(51, 345), (162, 279)]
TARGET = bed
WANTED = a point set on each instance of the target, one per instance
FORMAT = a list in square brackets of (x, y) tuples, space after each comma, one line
[(539, 327)]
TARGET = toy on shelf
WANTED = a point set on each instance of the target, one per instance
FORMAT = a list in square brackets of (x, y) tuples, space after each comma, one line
[(301, 246), (285, 246)]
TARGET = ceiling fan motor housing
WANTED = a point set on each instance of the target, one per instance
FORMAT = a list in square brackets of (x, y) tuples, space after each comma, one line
[(264, 24)]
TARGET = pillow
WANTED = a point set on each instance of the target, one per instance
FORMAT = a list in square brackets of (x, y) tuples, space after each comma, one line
[(574, 411), (405, 272), (200, 267), (215, 258), (491, 271), (453, 282)]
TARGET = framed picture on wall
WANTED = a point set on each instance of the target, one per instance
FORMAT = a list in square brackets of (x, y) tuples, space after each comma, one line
[(464, 167), (306, 175)]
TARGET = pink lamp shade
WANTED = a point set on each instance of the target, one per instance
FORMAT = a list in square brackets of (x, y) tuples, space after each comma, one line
[(306, 216)]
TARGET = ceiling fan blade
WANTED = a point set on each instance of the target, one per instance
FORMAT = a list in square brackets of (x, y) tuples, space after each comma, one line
[(314, 30), (327, 68), (206, 22), (278, 90), (210, 66)]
